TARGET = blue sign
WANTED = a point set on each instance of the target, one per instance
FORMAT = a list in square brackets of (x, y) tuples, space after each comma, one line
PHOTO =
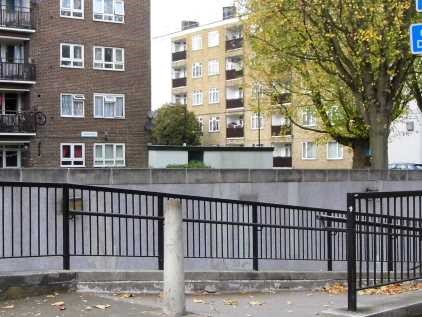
[(419, 5), (416, 38)]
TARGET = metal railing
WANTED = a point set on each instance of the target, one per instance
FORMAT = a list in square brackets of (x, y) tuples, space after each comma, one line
[(234, 44), (21, 122), (179, 82), (235, 132), (179, 56), (234, 103), (17, 71), (17, 17)]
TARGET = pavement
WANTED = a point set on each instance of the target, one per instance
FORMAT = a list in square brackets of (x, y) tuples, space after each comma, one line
[(282, 303)]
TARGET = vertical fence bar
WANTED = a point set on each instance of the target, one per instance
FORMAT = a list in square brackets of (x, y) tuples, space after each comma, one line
[(351, 253), (329, 244), (255, 237), (160, 233), (66, 242)]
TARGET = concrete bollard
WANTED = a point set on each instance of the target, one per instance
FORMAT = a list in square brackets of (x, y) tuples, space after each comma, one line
[(174, 270)]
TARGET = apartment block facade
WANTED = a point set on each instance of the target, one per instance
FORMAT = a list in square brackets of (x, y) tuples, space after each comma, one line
[(211, 78), (74, 83)]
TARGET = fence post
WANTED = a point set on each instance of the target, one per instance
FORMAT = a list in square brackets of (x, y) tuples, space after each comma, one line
[(66, 246), (160, 233), (351, 253), (174, 274), (329, 244), (255, 229), (390, 247)]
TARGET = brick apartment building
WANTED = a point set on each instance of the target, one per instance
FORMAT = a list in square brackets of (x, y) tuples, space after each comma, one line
[(74, 83), (211, 78)]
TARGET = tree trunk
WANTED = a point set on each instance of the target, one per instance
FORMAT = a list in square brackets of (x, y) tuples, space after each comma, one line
[(360, 154), (378, 136)]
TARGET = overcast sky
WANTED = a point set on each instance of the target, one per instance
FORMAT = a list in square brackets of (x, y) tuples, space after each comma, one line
[(166, 17)]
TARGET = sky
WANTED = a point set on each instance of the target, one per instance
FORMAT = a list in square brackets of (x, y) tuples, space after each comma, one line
[(166, 17)]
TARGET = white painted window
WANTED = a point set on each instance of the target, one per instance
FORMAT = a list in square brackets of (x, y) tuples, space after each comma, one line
[(109, 11), (109, 58), (334, 151), (72, 155), (214, 96), (109, 155), (309, 151), (10, 156), (196, 42), (213, 39), (72, 105), (213, 67), (282, 150), (109, 106), (197, 98), (197, 70), (214, 124), (308, 118), (71, 55), (201, 123), (257, 121), (72, 9)]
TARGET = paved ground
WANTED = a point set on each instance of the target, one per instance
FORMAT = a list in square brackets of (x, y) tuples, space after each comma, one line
[(294, 304)]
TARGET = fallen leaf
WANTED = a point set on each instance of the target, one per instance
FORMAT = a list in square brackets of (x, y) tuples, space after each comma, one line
[(126, 295), (230, 302), (256, 303), (199, 301), (58, 304), (8, 307), (51, 296), (103, 307)]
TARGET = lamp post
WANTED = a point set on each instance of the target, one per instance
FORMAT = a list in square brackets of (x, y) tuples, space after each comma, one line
[(258, 91)]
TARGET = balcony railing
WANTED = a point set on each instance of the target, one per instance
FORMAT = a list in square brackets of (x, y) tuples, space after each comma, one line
[(17, 71), (21, 122), (235, 133), (17, 18), (179, 82), (233, 74), (234, 103), (282, 162), (234, 44), (281, 130), (179, 56)]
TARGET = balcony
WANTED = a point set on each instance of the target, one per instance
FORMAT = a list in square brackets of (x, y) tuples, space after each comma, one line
[(179, 56), (235, 133), (234, 103), (233, 74), (281, 130), (234, 44), (285, 162), (21, 122), (17, 72), (17, 18), (179, 82)]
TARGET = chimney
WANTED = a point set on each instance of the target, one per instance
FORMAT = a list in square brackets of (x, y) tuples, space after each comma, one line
[(186, 25), (229, 12)]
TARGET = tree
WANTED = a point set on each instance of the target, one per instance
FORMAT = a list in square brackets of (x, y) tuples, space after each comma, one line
[(350, 60), (174, 125)]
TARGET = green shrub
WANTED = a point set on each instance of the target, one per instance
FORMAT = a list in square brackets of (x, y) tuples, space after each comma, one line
[(191, 164)]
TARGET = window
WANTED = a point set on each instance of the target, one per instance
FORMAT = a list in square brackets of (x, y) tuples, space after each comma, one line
[(72, 105), (196, 42), (109, 155), (410, 126), (309, 151), (334, 151), (214, 124), (308, 118), (72, 55), (109, 106), (10, 156), (109, 11), (72, 155), (201, 124), (72, 9), (197, 98), (213, 67), (214, 96), (257, 121), (213, 39), (197, 70), (109, 58), (282, 150)]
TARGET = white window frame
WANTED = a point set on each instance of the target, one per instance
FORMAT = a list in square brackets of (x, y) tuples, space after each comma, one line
[(197, 70), (305, 151), (114, 155), (197, 42), (105, 96), (254, 121), (72, 57), (72, 159), (214, 92), (197, 94), (309, 118), (201, 123), (114, 15), (4, 149), (79, 97), (340, 149), (211, 125), (103, 62), (213, 67), (217, 41), (72, 10)]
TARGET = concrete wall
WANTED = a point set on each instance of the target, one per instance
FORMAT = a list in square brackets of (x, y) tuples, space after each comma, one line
[(253, 160), (162, 159)]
